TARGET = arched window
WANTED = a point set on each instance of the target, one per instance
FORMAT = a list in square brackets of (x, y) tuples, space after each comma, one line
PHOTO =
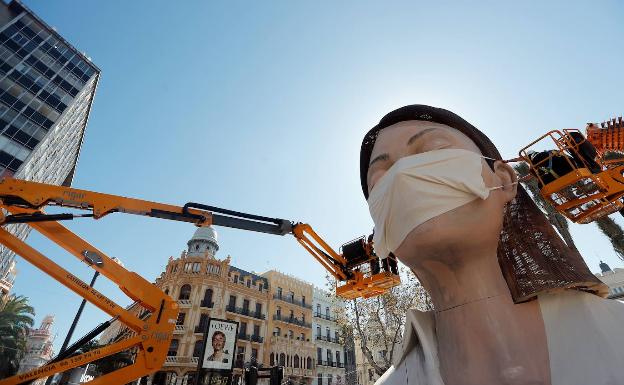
[(282, 359), (185, 292), (309, 363), (198, 348), (296, 361), (272, 359)]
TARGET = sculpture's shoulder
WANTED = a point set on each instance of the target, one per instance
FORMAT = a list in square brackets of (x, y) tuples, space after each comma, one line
[(585, 342)]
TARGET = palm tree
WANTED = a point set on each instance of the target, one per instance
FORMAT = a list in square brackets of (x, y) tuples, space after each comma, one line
[(555, 218), (16, 317)]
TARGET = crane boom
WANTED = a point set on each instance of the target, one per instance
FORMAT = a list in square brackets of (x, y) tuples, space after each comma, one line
[(24, 202)]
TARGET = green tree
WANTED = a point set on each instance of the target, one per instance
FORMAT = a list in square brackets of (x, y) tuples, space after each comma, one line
[(16, 317)]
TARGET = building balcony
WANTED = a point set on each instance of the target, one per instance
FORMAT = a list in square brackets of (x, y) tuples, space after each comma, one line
[(333, 340), (330, 364), (325, 317), (250, 337), (207, 304), (184, 302), (301, 372), (284, 340), (245, 312), (292, 320), (181, 361), (258, 339), (292, 300), (179, 329)]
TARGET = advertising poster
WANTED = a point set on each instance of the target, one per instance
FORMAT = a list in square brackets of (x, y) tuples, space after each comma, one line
[(220, 345)]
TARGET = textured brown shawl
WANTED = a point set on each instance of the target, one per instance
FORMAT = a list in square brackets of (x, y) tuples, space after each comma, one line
[(532, 256)]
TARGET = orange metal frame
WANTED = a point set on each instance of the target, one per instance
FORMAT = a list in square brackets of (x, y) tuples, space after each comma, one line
[(20, 198), (580, 195)]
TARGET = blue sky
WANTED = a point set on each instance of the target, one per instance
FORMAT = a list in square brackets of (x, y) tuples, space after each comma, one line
[(261, 107)]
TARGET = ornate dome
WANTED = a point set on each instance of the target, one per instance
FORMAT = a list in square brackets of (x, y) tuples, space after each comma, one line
[(203, 242), (205, 233)]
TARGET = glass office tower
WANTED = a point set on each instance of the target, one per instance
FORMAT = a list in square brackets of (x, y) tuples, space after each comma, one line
[(46, 92)]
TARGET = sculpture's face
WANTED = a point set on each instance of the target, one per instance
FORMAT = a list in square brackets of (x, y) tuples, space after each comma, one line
[(475, 224)]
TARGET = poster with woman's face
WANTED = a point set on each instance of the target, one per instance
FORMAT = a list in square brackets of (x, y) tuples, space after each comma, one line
[(219, 352)]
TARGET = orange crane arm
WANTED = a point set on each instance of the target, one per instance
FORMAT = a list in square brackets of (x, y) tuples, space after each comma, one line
[(24, 201)]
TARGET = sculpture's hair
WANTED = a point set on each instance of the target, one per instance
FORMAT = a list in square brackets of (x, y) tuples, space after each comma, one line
[(532, 256)]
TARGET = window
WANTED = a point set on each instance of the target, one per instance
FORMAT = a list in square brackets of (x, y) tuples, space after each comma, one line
[(232, 302), (327, 333), (254, 354), (319, 354), (203, 323), (291, 296), (207, 297), (196, 267), (185, 292), (318, 332), (258, 310), (272, 359), (329, 379), (249, 283), (309, 363), (240, 355), (260, 286), (279, 292), (246, 306), (319, 379), (173, 348), (303, 317), (338, 357), (187, 267), (292, 315), (277, 332), (235, 278), (303, 300), (318, 309), (302, 337), (282, 359), (256, 330), (329, 356), (243, 329), (167, 291), (327, 312), (290, 334), (198, 348), (181, 317), (278, 312), (296, 361)]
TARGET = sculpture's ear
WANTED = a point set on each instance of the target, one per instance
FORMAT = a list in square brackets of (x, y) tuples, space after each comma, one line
[(508, 179)]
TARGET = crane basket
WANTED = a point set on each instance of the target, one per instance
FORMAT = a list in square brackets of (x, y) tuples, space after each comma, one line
[(577, 185)]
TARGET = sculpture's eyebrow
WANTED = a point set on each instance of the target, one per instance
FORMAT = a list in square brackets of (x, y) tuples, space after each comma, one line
[(384, 157), (418, 135)]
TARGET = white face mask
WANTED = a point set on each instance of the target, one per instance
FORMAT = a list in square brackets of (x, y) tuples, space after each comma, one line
[(420, 187)]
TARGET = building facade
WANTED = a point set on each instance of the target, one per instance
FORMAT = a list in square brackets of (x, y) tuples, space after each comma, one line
[(614, 279), (330, 354), (290, 322), (365, 372), (46, 91), (38, 348), (206, 287)]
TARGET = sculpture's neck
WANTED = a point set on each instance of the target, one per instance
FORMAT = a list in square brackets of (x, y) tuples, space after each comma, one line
[(459, 278)]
